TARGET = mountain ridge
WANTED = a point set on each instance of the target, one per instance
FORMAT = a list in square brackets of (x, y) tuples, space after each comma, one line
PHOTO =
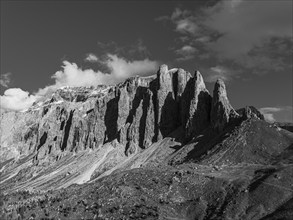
[(194, 150), (165, 101)]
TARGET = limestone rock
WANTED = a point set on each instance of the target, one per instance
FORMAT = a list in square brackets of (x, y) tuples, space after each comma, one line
[(196, 106), (180, 80), (250, 112), (221, 112), (165, 102), (171, 86), (136, 113)]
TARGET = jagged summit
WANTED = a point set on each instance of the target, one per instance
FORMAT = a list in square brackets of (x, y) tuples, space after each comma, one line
[(222, 112), (136, 113), (220, 89), (160, 145)]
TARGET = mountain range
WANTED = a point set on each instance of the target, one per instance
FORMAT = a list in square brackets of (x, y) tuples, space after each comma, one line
[(156, 147)]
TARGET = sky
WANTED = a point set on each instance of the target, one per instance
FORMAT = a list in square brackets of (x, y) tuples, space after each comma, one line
[(247, 43)]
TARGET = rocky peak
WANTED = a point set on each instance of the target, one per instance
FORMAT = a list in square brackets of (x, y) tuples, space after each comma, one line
[(250, 112), (164, 78), (163, 69), (182, 100), (180, 79), (136, 113), (222, 112), (200, 85), (165, 104), (220, 90), (197, 106)]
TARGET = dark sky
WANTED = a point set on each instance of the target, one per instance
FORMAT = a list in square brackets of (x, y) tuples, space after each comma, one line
[(246, 43)]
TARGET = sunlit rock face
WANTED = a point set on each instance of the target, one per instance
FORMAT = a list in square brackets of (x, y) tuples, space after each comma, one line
[(157, 145), (222, 112), (92, 131), (198, 106), (136, 113)]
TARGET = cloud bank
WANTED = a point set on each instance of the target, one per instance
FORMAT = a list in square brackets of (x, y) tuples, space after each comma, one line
[(71, 75), (16, 99), (122, 69)]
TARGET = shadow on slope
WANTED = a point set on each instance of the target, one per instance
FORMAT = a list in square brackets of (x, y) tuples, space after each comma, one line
[(252, 141)]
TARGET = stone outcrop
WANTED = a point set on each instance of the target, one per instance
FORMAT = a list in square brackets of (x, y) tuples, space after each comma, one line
[(171, 85), (136, 113), (250, 112), (221, 112), (197, 106)]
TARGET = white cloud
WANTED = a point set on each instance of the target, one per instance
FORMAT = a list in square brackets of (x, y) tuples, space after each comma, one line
[(72, 75), (119, 69), (186, 26), (184, 22), (16, 99), (122, 69), (269, 117), (270, 109), (5, 79), (280, 113), (268, 113), (92, 58), (186, 52), (219, 72)]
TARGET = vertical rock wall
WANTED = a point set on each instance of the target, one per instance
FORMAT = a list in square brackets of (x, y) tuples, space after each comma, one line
[(136, 113), (222, 112)]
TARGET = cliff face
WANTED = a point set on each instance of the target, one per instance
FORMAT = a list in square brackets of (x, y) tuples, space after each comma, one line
[(160, 145), (195, 156), (222, 112), (136, 113)]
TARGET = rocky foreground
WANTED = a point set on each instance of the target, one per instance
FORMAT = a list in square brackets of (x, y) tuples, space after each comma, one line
[(158, 147)]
